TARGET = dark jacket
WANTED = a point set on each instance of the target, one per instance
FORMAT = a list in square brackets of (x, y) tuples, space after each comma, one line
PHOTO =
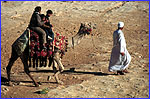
[(48, 23), (36, 20)]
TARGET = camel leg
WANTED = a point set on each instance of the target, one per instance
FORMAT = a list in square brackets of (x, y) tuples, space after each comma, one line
[(57, 59), (61, 68), (45, 61), (50, 61), (24, 59), (56, 73), (13, 58), (34, 59)]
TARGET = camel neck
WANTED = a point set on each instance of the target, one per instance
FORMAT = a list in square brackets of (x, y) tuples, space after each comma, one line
[(75, 40)]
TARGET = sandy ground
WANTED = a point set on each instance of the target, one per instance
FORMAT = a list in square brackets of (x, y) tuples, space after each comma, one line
[(90, 58)]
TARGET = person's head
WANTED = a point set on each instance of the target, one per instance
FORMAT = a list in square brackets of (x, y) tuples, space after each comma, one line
[(49, 12), (42, 17), (37, 9), (120, 25)]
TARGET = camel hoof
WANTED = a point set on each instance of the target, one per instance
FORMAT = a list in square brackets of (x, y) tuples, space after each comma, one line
[(37, 85), (60, 82), (48, 78), (10, 83)]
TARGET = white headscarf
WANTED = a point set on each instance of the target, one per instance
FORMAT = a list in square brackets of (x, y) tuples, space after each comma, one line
[(120, 24)]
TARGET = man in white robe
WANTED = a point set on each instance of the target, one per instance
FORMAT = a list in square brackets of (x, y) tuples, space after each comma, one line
[(120, 57)]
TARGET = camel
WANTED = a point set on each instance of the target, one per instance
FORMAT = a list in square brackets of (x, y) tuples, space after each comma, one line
[(85, 29)]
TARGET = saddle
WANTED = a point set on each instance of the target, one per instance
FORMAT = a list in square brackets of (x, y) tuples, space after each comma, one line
[(21, 43), (39, 57)]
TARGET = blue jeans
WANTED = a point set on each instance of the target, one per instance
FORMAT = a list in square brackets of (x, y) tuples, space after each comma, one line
[(50, 33)]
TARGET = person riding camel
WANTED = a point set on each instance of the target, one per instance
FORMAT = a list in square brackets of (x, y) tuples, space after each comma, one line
[(49, 30), (46, 27), (36, 23), (43, 18)]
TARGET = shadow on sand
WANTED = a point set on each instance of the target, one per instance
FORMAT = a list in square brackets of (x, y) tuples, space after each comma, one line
[(72, 70), (4, 81)]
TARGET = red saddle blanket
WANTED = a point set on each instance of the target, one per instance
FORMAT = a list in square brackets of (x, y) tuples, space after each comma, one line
[(60, 42)]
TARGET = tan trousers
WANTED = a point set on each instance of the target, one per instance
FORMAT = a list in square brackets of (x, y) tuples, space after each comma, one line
[(41, 33)]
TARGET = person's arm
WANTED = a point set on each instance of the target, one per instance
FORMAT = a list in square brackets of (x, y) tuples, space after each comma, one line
[(121, 40), (48, 22), (39, 21), (45, 26)]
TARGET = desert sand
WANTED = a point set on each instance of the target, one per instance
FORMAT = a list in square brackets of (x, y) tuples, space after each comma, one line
[(90, 58)]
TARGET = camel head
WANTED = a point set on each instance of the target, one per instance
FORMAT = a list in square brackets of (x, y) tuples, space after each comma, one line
[(86, 28)]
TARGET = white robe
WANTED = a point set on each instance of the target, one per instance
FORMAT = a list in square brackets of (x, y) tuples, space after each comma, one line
[(117, 61)]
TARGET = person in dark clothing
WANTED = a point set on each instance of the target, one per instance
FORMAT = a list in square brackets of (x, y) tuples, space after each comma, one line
[(46, 27), (43, 18), (36, 23), (49, 30)]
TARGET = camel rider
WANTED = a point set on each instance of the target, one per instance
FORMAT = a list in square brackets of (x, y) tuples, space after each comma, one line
[(45, 27), (49, 30), (43, 18), (36, 23)]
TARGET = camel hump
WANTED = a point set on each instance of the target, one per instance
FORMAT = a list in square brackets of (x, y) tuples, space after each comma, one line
[(21, 43)]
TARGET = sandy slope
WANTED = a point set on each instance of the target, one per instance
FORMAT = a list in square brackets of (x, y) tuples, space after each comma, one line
[(91, 78)]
